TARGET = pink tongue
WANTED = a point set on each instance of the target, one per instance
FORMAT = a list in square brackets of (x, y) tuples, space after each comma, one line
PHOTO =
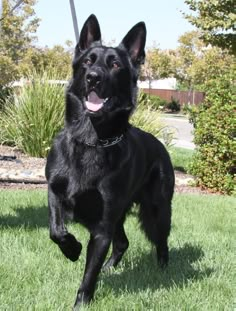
[(94, 103)]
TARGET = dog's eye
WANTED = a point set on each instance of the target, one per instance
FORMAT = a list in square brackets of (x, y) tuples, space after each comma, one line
[(88, 61), (115, 65)]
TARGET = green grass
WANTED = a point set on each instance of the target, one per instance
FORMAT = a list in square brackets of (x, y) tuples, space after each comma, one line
[(34, 275), (181, 158)]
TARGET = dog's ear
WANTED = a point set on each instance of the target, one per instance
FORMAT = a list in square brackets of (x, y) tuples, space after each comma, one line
[(89, 34), (134, 43)]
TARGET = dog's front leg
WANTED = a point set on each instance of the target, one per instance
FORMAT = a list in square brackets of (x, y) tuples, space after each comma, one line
[(68, 244), (96, 253)]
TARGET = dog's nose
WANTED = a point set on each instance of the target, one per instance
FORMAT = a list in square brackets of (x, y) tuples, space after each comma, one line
[(93, 78)]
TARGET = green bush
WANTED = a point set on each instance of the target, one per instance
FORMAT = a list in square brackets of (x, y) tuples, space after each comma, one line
[(188, 108), (33, 115), (173, 106), (154, 102), (151, 101), (214, 136)]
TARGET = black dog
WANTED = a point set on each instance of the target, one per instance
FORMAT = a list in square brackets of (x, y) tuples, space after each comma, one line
[(100, 164)]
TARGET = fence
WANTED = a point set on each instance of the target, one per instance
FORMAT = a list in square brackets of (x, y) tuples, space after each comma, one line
[(183, 97)]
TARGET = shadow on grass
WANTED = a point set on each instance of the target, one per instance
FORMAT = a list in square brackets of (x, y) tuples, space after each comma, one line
[(147, 275), (28, 217)]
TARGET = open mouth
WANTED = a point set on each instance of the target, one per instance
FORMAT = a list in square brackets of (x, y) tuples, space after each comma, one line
[(94, 102)]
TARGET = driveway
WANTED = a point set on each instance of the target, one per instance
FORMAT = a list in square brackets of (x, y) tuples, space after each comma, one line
[(182, 129)]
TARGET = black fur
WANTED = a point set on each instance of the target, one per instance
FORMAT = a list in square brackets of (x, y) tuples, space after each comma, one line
[(95, 183)]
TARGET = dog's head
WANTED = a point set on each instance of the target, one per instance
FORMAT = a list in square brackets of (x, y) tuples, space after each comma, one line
[(104, 78)]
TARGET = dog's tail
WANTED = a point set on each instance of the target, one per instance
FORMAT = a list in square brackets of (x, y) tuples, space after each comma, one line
[(155, 217), (155, 212)]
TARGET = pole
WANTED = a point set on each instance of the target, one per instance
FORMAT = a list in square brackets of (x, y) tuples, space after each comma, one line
[(75, 24), (11, 11), (0, 9)]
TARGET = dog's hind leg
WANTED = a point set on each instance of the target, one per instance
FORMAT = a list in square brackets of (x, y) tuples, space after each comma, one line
[(68, 244), (120, 244), (155, 218)]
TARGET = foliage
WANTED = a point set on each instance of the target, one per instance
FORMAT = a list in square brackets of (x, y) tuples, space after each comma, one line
[(150, 101), (216, 19), (33, 115), (5, 92), (193, 62), (147, 117), (148, 120), (214, 136), (154, 102), (57, 58), (190, 110), (16, 34), (158, 64), (18, 55), (186, 54), (173, 105), (8, 70), (211, 62), (197, 63)]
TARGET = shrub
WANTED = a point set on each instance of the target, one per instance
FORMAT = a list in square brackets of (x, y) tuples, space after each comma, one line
[(186, 109), (149, 121), (214, 136), (150, 101), (33, 115), (173, 106), (5, 92)]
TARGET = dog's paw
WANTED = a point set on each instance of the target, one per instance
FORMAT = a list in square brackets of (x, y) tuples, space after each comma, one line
[(163, 261), (163, 264), (71, 248), (110, 263), (81, 300)]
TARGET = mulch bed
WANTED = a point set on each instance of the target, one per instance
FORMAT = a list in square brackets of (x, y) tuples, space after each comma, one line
[(31, 163)]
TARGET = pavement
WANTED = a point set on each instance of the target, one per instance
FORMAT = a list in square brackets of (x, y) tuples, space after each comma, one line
[(183, 130)]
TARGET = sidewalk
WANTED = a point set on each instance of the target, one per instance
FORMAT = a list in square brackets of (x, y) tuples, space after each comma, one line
[(182, 131)]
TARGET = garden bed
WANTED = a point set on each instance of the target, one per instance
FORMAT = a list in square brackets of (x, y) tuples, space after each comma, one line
[(26, 172)]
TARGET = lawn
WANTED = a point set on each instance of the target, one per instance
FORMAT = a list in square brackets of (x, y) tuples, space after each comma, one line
[(34, 275), (181, 158)]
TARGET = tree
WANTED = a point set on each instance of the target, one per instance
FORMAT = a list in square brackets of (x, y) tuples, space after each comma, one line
[(186, 54), (16, 36), (158, 65), (198, 63), (216, 19), (57, 58)]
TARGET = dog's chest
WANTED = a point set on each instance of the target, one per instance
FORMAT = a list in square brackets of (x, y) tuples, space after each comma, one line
[(86, 170), (82, 195)]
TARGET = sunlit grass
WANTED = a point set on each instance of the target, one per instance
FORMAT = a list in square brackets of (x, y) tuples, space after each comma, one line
[(181, 158), (34, 275)]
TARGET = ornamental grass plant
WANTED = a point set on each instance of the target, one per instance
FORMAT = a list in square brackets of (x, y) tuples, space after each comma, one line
[(33, 114)]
